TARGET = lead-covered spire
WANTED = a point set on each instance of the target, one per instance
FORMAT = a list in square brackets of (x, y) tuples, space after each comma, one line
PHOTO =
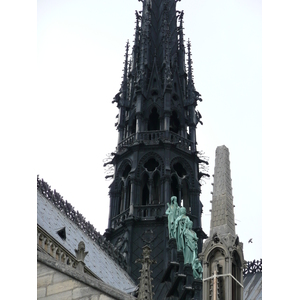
[(158, 91)]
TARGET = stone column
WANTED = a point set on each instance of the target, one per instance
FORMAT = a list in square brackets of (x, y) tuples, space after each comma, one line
[(197, 286)]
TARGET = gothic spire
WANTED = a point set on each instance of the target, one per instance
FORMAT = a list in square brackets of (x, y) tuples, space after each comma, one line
[(145, 285), (192, 94)]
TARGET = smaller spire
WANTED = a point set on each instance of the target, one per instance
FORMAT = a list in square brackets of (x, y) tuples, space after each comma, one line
[(125, 75), (145, 285), (192, 94)]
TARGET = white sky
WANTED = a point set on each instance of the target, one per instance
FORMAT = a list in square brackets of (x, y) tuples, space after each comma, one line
[(81, 46)]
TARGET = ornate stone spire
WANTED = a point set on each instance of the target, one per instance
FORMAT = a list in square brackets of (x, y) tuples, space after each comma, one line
[(222, 214), (145, 285)]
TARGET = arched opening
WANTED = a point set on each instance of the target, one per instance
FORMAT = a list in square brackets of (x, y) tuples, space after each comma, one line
[(121, 199), (153, 122), (145, 189), (174, 122), (216, 263), (128, 194), (236, 273), (175, 189), (133, 126), (179, 169), (156, 188), (151, 164), (185, 196), (125, 191)]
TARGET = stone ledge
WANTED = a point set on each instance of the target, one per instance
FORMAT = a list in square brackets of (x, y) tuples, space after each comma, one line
[(84, 278)]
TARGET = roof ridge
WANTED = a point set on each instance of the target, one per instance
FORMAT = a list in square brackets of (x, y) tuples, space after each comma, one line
[(65, 207)]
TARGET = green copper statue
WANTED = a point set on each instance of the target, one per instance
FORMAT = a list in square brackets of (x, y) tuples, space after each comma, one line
[(172, 212), (190, 249), (180, 226), (197, 269)]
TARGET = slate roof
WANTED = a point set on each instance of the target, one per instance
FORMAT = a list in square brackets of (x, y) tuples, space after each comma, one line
[(253, 286), (52, 220)]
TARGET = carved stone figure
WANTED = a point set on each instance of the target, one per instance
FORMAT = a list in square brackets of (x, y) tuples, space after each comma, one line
[(197, 269), (190, 248), (180, 226), (172, 212)]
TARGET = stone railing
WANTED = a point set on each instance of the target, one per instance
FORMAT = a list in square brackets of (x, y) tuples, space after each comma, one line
[(66, 208), (252, 267), (52, 247), (117, 220), (154, 137), (154, 210)]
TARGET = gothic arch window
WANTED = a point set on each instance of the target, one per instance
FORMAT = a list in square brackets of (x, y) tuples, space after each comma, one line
[(133, 126), (128, 194), (145, 189), (180, 170), (236, 273), (153, 122), (125, 190), (150, 187), (216, 262), (175, 189), (151, 164), (185, 196), (121, 199), (174, 122), (156, 188), (180, 185)]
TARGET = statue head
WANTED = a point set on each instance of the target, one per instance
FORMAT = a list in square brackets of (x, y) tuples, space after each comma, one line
[(173, 199), (182, 210), (190, 224)]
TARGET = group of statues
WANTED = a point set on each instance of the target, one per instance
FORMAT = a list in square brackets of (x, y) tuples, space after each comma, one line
[(180, 228)]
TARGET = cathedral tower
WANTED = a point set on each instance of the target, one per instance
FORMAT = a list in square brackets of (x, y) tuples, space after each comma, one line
[(156, 156)]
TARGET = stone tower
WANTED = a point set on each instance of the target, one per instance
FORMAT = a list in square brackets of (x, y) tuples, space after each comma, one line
[(222, 253), (156, 156)]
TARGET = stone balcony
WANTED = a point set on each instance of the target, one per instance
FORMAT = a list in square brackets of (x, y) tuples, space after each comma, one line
[(157, 136)]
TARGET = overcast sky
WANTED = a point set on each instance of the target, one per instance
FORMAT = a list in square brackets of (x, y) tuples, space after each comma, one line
[(81, 46)]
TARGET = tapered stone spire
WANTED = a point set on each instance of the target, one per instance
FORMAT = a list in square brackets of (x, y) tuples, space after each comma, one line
[(222, 214), (145, 285), (222, 253)]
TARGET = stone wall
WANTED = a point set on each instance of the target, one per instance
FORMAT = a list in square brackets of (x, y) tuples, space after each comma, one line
[(56, 280)]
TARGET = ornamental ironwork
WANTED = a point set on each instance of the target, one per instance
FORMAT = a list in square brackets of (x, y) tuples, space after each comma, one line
[(253, 267)]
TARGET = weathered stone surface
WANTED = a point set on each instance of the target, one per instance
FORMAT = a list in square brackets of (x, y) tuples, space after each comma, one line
[(41, 292), (43, 270), (83, 291), (64, 282), (67, 295), (104, 297), (59, 277), (62, 286), (44, 280)]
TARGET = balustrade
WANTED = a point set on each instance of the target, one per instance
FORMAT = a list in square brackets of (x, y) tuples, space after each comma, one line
[(53, 248), (153, 137), (149, 211), (117, 220)]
